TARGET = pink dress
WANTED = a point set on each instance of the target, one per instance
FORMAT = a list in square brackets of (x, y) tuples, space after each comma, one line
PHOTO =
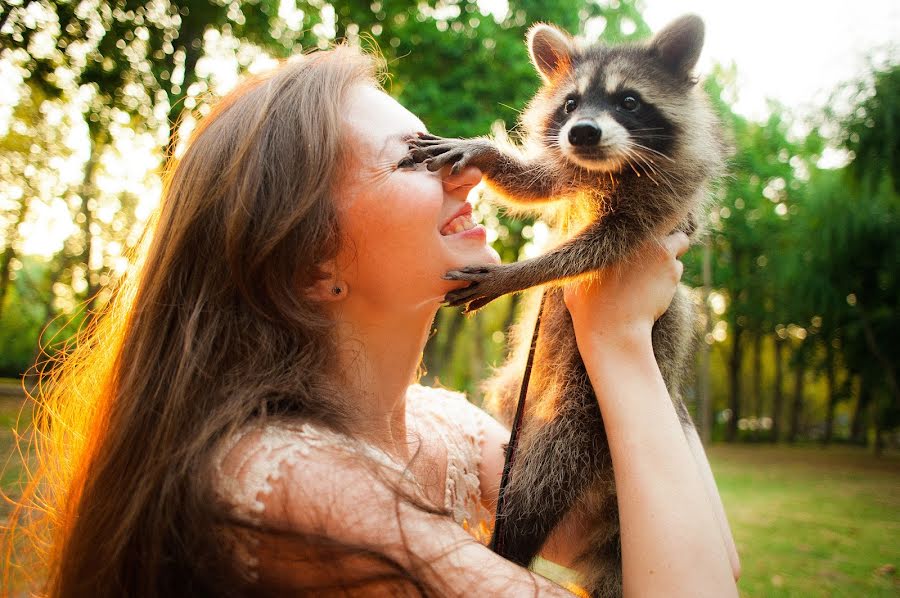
[(248, 467)]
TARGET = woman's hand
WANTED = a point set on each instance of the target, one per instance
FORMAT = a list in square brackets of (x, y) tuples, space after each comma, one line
[(628, 298)]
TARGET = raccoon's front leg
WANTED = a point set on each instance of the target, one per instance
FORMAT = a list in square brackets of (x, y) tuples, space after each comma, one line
[(596, 247), (515, 177)]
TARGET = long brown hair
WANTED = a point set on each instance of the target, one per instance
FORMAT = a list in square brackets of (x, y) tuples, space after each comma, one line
[(212, 331)]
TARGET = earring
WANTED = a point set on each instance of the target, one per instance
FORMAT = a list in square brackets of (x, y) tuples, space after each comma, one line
[(336, 290)]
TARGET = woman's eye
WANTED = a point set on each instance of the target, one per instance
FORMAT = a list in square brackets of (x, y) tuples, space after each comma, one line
[(629, 103), (570, 105)]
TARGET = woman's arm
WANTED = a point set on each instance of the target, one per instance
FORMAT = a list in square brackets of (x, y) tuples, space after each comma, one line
[(715, 500), (672, 543)]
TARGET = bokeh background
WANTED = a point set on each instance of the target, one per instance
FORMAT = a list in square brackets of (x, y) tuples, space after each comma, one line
[(795, 385)]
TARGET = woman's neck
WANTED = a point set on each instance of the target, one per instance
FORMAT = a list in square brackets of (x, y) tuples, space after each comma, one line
[(379, 354)]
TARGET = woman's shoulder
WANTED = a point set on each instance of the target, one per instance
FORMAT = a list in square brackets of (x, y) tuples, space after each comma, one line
[(262, 465), (250, 462)]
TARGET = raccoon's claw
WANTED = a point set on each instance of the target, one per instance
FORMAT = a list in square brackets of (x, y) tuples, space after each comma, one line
[(478, 293), (429, 139), (443, 156), (439, 152), (471, 297), (475, 274), (469, 273)]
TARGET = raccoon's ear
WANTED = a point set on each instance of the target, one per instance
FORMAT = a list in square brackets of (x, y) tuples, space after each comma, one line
[(679, 44), (551, 50)]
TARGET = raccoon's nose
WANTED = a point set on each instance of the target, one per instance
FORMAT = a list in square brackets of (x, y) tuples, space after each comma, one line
[(584, 132)]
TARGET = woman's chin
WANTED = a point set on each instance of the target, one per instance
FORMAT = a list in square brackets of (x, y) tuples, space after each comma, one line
[(483, 255)]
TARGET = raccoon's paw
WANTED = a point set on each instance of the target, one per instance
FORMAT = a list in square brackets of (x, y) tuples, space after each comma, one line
[(437, 152), (483, 286)]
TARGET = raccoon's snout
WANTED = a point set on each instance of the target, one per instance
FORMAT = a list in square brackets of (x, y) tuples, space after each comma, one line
[(584, 133)]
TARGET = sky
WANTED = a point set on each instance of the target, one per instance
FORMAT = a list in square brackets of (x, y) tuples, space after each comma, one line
[(793, 51)]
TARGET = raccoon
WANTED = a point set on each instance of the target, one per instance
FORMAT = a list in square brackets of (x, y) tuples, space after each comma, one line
[(625, 135)]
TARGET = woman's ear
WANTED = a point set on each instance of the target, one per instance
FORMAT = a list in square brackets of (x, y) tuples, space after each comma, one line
[(330, 287)]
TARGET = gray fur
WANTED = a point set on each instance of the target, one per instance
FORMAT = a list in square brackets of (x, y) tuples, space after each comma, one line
[(617, 199)]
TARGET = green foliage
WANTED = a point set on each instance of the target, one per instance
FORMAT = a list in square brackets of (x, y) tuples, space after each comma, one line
[(803, 256), (871, 132)]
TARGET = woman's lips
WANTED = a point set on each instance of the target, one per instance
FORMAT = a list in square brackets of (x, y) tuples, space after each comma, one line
[(461, 220), (458, 224), (462, 225)]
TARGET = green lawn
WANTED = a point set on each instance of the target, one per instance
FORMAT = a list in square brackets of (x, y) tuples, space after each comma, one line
[(812, 522), (807, 522), (10, 463)]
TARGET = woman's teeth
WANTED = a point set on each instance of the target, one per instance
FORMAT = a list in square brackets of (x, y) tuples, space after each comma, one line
[(458, 225)]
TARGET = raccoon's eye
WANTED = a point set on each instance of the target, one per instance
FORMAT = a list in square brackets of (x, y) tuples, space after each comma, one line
[(570, 105), (629, 103)]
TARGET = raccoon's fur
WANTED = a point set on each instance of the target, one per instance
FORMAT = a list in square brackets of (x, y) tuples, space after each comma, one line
[(626, 136)]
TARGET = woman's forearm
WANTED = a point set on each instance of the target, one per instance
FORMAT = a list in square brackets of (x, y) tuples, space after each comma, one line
[(671, 540), (715, 500)]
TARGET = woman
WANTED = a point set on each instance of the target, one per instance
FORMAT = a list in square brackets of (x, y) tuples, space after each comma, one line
[(242, 422)]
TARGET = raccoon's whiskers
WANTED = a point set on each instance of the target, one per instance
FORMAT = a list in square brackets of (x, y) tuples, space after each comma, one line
[(633, 169), (651, 150), (648, 164), (644, 165)]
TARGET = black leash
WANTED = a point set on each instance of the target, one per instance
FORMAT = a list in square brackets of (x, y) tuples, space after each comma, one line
[(499, 517)]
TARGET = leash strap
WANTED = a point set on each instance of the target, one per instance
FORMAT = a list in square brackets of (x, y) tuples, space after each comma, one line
[(499, 517)]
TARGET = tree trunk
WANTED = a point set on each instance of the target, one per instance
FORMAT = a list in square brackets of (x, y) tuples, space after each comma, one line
[(858, 425), (511, 314), (9, 253), (797, 406), (831, 391), (438, 351), (734, 382), (431, 345), (704, 401), (879, 437), (40, 352), (887, 366), (476, 355), (757, 405), (778, 390)]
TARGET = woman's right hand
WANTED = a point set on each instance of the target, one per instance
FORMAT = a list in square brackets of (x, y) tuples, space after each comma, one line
[(626, 299)]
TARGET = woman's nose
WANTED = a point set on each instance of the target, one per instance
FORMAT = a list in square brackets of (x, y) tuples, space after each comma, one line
[(461, 183)]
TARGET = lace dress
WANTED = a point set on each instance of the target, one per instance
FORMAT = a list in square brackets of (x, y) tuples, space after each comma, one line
[(249, 465)]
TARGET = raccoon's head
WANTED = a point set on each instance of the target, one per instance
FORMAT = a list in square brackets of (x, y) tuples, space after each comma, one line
[(603, 108)]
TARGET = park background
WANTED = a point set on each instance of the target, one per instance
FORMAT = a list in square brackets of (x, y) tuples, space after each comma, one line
[(795, 381)]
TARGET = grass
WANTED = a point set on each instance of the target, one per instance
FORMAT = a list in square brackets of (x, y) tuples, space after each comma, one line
[(10, 409), (808, 522), (811, 522)]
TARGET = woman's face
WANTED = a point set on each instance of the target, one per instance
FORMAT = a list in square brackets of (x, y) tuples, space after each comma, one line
[(403, 227)]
